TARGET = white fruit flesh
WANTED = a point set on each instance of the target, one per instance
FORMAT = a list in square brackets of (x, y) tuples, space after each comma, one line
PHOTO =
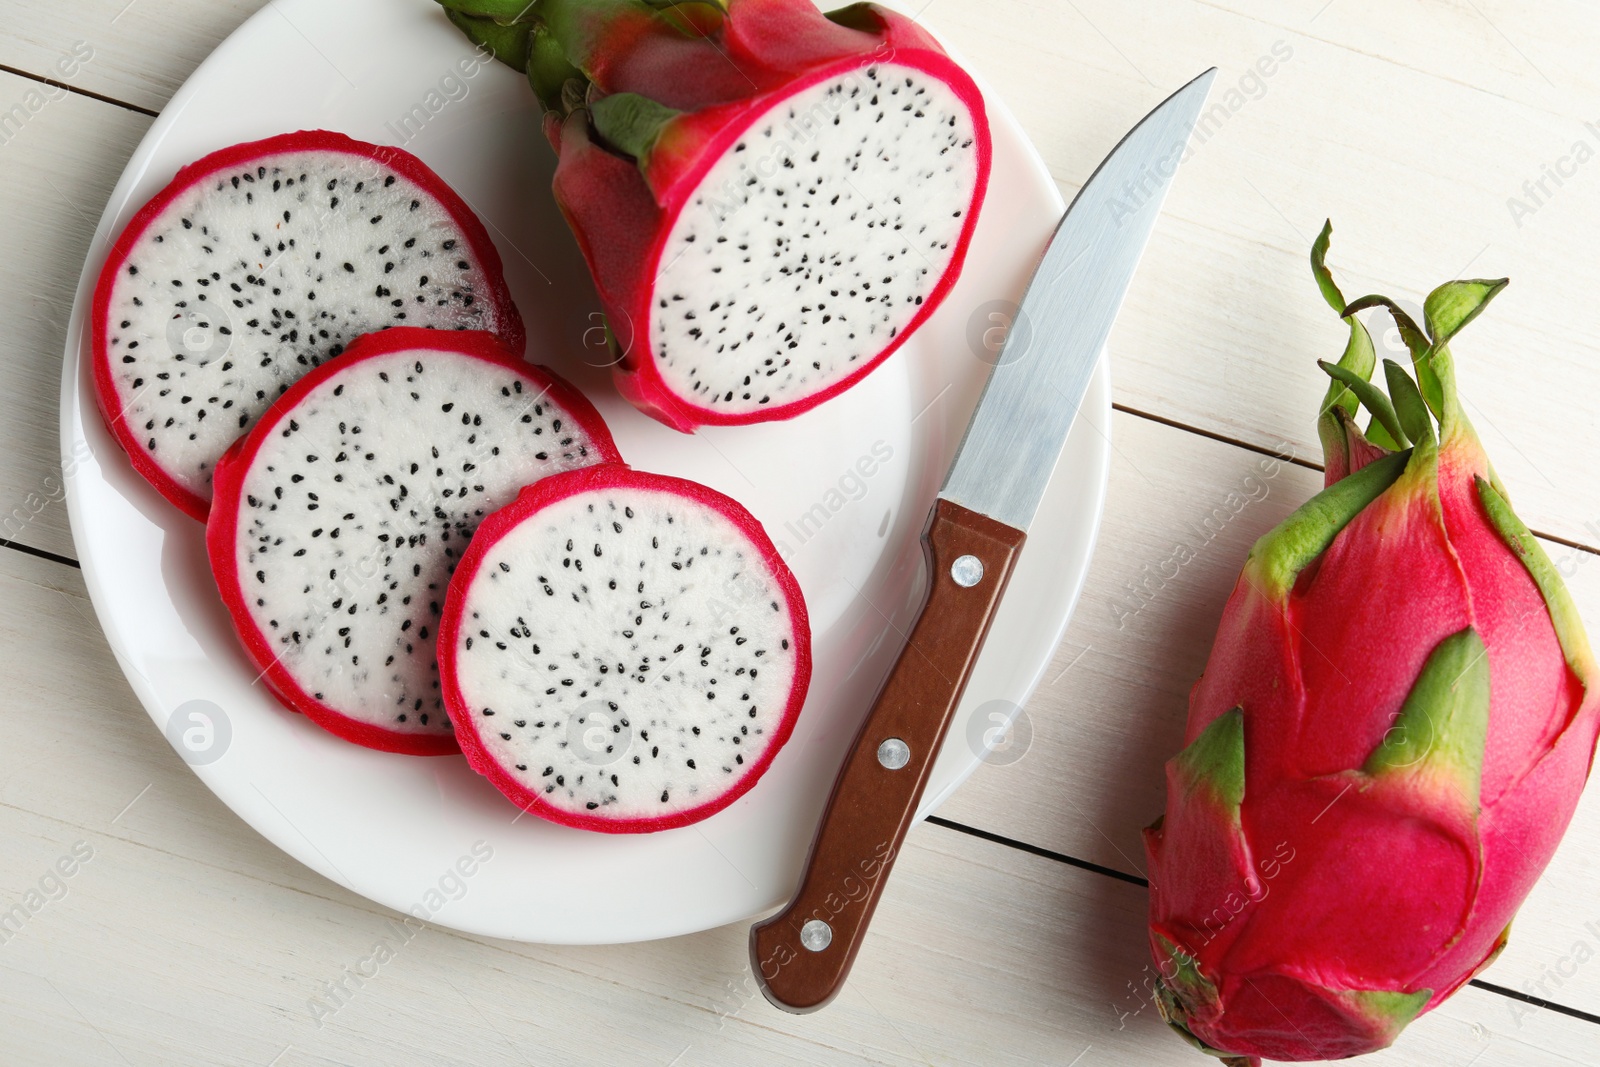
[(355, 515), (626, 653), (810, 246), (252, 277)]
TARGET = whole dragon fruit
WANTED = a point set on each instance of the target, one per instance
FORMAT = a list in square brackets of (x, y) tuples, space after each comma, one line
[(770, 200), (1389, 738)]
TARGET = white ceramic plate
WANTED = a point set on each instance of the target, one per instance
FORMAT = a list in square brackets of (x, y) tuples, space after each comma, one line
[(398, 829)]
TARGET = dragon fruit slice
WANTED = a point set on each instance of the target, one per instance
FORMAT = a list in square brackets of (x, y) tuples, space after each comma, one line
[(257, 263), (340, 517), (623, 652), (1390, 737), (771, 200)]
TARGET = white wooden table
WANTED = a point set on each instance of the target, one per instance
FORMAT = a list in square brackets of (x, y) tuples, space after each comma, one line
[(1012, 931)]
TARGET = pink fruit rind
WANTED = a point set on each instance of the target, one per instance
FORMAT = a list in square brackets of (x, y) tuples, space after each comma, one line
[(1394, 882), (223, 525), (529, 502), (508, 321), (625, 281)]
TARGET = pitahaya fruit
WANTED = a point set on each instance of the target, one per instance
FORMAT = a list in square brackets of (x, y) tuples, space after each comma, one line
[(1389, 738), (257, 263), (341, 515), (770, 200), (623, 652)]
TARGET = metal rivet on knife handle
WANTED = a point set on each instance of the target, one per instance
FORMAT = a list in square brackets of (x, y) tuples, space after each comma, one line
[(967, 571), (894, 754), (816, 935)]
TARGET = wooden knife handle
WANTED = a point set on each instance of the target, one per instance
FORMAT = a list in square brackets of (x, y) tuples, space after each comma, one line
[(801, 955)]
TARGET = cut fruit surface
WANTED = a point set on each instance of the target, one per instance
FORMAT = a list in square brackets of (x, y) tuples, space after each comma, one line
[(340, 517), (256, 264), (808, 249), (623, 652)]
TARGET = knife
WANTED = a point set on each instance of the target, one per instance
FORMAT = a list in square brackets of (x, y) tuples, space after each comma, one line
[(801, 955)]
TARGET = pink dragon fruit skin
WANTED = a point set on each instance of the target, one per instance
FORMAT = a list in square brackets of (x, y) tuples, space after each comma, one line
[(1389, 739)]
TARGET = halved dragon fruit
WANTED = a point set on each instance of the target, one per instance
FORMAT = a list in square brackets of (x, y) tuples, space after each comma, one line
[(623, 652), (771, 200), (339, 518), (257, 263)]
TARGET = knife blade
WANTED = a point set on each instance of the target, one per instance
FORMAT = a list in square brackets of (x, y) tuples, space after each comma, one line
[(1027, 407), (976, 530)]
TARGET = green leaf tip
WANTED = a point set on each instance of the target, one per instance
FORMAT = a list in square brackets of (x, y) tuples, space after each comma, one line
[(1416, 342), (504, 12), (1370, 397), (1409, 406), (1390, 1012), (631, 123), (1215, 760), (1574, 640), (1320, 271), (1444, 723), (1186, 978), (1277, 559), (1454, 304), (1358, 357)]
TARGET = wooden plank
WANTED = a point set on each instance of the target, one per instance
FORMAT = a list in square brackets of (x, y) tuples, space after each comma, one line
[(981, 954), (136, 51), (1223, 325), (1114, 712), (57, 170), (1441, 108), (181, 937), (1412, 127), (188, 938)]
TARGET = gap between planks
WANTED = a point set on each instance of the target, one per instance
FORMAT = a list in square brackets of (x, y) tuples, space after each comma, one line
[(1133, 879), (90, 93), (18, 546), (1161, 420), (1263, 450)]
